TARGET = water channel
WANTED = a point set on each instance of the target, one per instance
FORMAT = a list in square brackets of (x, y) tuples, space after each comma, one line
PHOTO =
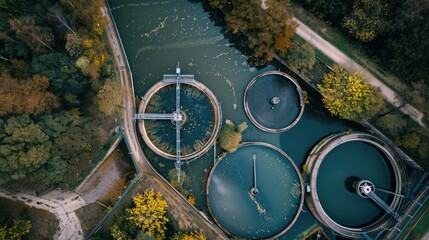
[(158, 34)]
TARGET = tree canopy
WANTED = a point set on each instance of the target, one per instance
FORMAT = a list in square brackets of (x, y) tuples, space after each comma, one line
[(26, 96), (109, 97), (347, 96), (394, 33), (195, 235), (149, 213), (18, 229), (301, 56), (269, 27), (368, 19), (49, 128), (230, 135)]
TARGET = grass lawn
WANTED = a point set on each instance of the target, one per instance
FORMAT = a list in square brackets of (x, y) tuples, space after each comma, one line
[(44, 224), (89, 215), (419, 226)]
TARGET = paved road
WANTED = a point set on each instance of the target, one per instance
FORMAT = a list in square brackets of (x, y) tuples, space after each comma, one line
[(337, 56)]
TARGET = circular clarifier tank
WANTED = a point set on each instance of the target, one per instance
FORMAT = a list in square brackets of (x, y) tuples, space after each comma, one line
[(243, 212), (336, 166), (200, 122), (273, 101)]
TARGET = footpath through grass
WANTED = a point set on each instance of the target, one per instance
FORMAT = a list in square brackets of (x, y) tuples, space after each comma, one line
[(339, 40)]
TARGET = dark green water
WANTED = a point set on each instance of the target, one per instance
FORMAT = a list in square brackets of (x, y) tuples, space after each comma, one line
[(254, 216), (158, 34), (260, 106), (195, 131), (334, 195)]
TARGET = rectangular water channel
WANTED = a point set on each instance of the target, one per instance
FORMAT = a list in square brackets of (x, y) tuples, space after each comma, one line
[(158, 34)]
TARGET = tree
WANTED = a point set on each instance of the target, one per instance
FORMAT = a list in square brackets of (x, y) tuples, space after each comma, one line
[(19, 69), (300, 57), (62, 19), (230, 135), (15, 232), (172, 176), (83, 63), (218, 3), (195, 235), (14, 7), (392, 123), (74, 44), (347, 96), (269, 27), (149, 213), (109, 97), (409, 141), (26, 96), (332, 11), (64, 77), (36, 37), (24, 149), (368, 19)]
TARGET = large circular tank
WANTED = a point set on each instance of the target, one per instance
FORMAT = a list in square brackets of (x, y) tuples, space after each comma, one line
[(247, 209), (336, 166), (200, 124), (273, 101)]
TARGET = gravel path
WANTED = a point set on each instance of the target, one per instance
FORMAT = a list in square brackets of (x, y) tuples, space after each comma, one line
[(339, 57)]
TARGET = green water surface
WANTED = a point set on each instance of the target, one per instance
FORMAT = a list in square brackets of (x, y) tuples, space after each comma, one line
[(158, 34)]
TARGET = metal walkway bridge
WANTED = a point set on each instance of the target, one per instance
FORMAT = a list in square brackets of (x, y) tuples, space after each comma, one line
[(176, 116), (366, 189), (371, 195)]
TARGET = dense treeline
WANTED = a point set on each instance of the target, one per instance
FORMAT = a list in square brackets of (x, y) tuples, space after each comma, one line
[(55, 72), (394, 32), (268, 26)]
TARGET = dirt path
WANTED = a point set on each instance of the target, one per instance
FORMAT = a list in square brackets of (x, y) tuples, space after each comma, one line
[(339, 57)]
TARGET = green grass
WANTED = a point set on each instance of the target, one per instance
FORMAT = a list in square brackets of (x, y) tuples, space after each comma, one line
[(419, 226), (352, 50)]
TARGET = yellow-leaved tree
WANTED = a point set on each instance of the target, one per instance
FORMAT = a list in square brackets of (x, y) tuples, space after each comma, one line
[(347, 96), (149, 213), (190, 236), (18, 229)]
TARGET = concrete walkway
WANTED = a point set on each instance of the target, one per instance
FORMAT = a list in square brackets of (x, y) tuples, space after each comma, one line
[(339, 57), (62, 204)]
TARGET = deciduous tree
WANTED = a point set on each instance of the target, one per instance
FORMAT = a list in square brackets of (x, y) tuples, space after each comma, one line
[(410, 141), (26, 96), (15, 232), (269, 27), (300, 57), (195, 235), (64, 77), (347, 96), (74, 44), (149, 213), (63, 20), (230, 135), (24, 149), (109, 97), (36, 37), (368, 19)]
